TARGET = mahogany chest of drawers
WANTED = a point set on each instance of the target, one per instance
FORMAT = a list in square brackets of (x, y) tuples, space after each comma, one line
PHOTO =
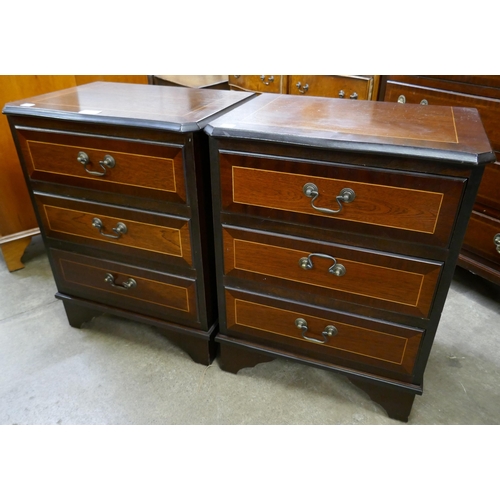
[(480, 252), (119, 178), (339, 86), (337, 229)]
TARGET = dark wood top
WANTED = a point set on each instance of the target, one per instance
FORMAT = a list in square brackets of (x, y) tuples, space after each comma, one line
[(435, 132), (175, 109)]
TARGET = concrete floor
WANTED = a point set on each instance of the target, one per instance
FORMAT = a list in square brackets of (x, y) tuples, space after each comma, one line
[(115, 371)]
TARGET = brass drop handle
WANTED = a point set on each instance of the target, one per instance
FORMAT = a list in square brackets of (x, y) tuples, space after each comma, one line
[(303, 89), (127, 285), (336, 268), (328, 332), (120, 228), (108, 162), (496, 241), (270, 79), (346, 195)]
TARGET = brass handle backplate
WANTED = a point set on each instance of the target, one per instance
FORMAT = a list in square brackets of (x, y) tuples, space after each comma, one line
[(107, 162), (346, 195), (337, 269), (119, 230), (130, 283), (303, 89), (402, 100), (496, 241), (354, 95), (328, 332), (269, 80)]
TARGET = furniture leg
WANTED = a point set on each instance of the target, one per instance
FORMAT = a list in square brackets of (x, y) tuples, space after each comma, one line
[(13, 250), (396, 402), (78, 315), (201, 349), (232, 359)]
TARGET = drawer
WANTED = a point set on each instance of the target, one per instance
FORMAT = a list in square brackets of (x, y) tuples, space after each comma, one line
[(259, 83), (489, 109), (483, 237), (489, 189), (148, 170), (353, 341), (347, 87), (401, 205), (127, 287), (126, 232), (387, 281)]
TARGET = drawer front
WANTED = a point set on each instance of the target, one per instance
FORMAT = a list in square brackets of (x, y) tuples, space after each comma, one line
[(407, 206), (488, 108), (276, 84), (385, 281), (346, 87), (358, 340), (127, 287), (111, 228), (135, 169), (489, 190), (483, 237)]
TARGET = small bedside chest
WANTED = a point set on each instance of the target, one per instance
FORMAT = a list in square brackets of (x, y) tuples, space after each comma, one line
[(119, 177), (338, 226)]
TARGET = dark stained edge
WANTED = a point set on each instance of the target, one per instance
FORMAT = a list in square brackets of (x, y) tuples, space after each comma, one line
[(358, 147), (121, 121)]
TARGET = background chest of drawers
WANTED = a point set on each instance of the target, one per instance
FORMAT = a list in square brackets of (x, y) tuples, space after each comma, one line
[(118, 176), (340, 86), (338, 225), (481, 249)]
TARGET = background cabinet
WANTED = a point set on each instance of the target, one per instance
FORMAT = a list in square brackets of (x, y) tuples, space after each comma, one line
[(17, 219), (341, 86), (480, 252)]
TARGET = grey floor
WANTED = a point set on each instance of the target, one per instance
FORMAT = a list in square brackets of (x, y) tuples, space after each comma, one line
[(114, 371)]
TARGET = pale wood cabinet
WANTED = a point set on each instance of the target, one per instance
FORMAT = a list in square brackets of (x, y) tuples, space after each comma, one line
[(340, 86), (17, 219)]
